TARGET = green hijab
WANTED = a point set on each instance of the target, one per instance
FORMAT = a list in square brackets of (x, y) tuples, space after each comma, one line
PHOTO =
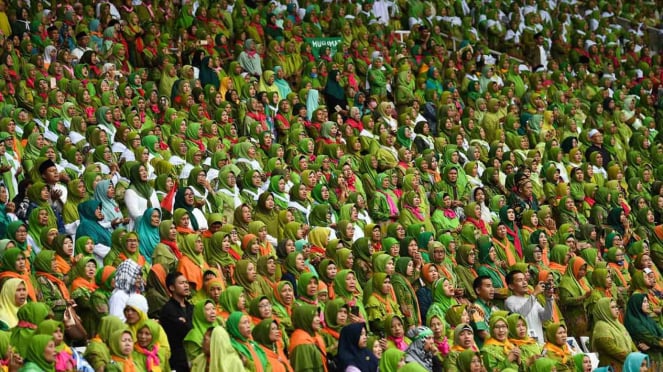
[(229, 299), (241, 343), (35, 353), (200, 323), (608, 326)]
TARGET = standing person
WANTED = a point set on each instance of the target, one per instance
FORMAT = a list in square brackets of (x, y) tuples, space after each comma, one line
[(526, 304), (177, 318)]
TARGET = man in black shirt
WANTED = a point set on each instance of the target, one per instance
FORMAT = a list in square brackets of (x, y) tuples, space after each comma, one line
[(596, 137), (176, 319)]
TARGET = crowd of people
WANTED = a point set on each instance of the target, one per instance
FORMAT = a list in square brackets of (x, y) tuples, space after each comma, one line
[(331, 186)]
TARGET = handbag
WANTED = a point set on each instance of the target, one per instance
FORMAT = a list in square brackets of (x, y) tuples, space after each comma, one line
[(73, 326)]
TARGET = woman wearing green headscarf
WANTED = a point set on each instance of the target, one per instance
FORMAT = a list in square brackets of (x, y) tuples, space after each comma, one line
[(239, 330), (121, 346), (644, 330), (530, 350), (557, 349), (569, 214), (498, 352), (52, 289), (140, 194), (412, 211), (263, 334), (490, 266), (220, 253), (204, 317), (307, 348), (610, 338), (443, 298), (97, 351), (32, 149), (465, 257), (336, 316), (29, 315), (451, 184), (574, 291), (347, 288), (381, 302), (40, 356), (406, 297), (148, 353), (307, 289)]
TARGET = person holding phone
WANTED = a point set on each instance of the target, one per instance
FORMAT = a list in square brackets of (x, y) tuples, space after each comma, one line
[(526, 304)]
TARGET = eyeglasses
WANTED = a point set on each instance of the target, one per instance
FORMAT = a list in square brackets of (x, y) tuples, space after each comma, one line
[(265, 306)]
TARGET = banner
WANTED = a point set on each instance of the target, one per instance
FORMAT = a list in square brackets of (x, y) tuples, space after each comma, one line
[(318, 43)]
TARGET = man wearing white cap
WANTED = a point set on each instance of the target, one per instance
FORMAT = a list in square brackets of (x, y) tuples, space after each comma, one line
[(596, 137)]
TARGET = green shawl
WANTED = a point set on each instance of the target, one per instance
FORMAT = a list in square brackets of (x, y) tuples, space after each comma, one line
[(243, 344)]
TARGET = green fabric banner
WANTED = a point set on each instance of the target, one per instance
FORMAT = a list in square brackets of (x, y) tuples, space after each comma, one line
[(318, 43)]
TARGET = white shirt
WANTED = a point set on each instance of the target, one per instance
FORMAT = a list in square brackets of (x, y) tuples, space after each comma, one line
[(532, 311)]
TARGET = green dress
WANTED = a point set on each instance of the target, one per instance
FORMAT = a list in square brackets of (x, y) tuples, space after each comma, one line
[(610, 338), (529, 348), (495, 353), (140, 354), (307, 349), (573, 292)]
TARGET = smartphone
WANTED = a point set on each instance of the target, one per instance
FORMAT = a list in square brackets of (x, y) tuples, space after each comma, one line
[(203, 42), (354, 310), (53, 83)]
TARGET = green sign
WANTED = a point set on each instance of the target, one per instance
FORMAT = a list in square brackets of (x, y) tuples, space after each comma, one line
[(318, 43)]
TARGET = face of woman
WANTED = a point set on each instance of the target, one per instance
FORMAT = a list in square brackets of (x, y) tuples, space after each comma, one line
[(68, 246), (377, 351), (199, 246), (471, 258), (560, 336), (511, 215), (521, 329), (394, 251), (142, 171), (390, 267), (501, 330), (274, 332), (144, 336), (50, 352), (126, 344), (448, 288), (132, 244), (501, 231), (476, 366), (265, 308), (90, 269), (350, 283), (20, 263), (185, 221), (251, 272), (492, 254), (363, 339), (42, 217), (331, 271), (210, 313), (645, 306), (300, 263), (437, 327), (287, 294), (397, 328), (246, 214), (21, 295)]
